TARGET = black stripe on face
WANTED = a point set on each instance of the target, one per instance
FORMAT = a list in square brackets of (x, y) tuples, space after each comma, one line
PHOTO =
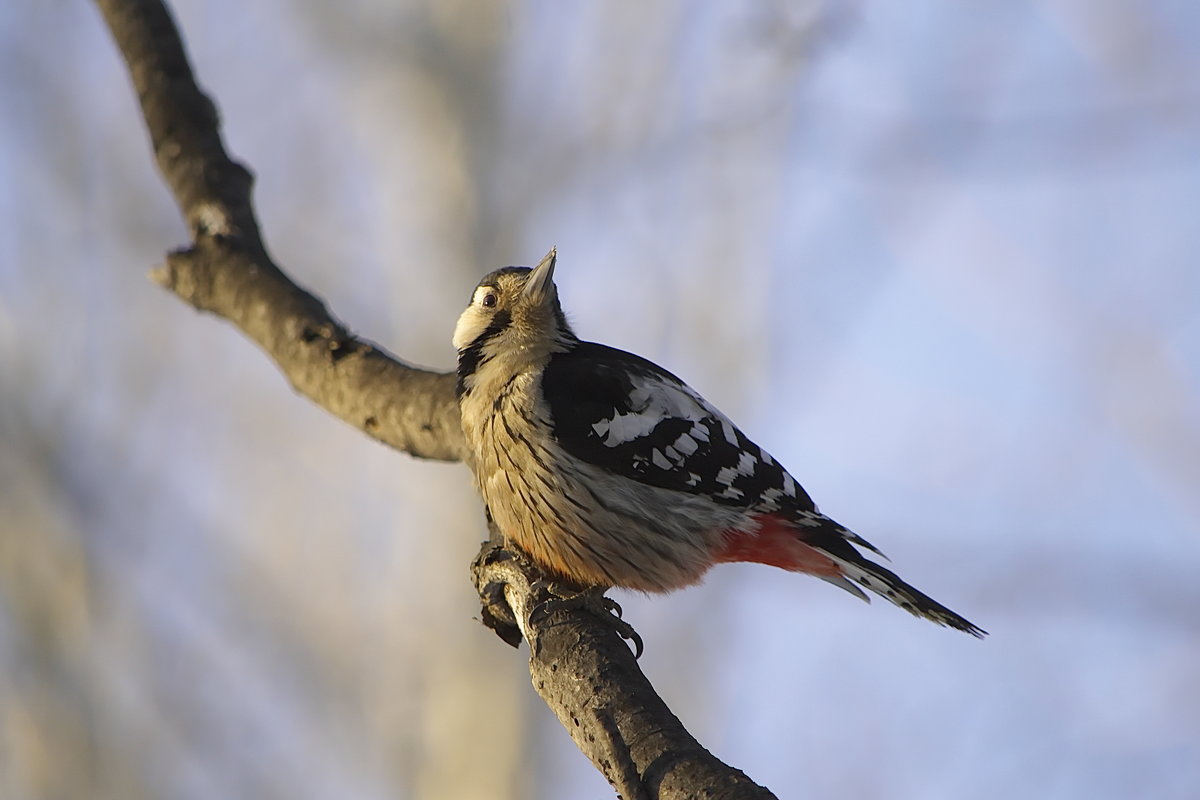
[(470, 357)]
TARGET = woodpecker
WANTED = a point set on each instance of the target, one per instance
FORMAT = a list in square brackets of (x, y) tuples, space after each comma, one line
[(607, 470)]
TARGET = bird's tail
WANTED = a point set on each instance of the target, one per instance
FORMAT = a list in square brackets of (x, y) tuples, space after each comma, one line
[(810, 542), (838, 543)]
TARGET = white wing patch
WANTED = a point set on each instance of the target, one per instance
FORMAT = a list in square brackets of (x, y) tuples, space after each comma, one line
[(729, 431), (686, 445), (771, 496), (661, 432), (727, 475), (651, 403)]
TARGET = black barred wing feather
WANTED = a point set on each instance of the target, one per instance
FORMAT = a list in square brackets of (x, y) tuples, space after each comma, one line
[(629, 416)]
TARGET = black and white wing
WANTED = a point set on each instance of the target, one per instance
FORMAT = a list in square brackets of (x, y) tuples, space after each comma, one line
[(629, 416)]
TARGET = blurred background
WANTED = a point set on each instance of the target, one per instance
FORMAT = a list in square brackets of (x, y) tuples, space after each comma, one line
[(940, 258)]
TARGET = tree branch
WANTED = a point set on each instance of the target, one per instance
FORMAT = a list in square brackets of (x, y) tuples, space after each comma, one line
[(591, 681), (578, 664), (228, 272)]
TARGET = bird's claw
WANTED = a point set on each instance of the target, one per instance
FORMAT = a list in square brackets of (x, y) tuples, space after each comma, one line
[(594, 601)]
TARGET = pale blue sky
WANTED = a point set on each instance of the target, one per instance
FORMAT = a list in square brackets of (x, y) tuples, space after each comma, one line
[(941, 260)]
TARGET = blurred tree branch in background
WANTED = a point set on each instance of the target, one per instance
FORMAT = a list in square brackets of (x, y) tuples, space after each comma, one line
[(228, 272), (579, 666)]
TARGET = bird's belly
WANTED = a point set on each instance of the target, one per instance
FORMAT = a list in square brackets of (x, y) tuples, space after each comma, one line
[(595, 529)]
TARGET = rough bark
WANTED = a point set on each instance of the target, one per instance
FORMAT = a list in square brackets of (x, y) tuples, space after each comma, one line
[(227, 271), (578, 663), (589, 678)]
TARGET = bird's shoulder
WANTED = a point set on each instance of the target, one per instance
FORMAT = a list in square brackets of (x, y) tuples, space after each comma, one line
[(629, 416)]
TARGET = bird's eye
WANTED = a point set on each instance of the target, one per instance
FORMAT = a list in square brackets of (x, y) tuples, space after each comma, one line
[(488, 300)]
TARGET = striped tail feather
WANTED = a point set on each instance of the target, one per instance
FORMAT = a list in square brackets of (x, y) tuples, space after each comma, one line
[(814, 544), (891, 587), (834, 541)]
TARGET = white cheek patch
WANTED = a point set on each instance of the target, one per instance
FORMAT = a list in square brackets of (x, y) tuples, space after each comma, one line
[(471, 323)]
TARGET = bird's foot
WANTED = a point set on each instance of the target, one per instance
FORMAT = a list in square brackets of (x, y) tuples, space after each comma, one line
[(594, 601)]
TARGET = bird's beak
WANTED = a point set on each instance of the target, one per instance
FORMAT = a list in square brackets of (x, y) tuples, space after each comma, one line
[(540, 281)]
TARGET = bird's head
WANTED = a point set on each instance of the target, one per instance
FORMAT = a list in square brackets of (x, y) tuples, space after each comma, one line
[(514, 316)]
